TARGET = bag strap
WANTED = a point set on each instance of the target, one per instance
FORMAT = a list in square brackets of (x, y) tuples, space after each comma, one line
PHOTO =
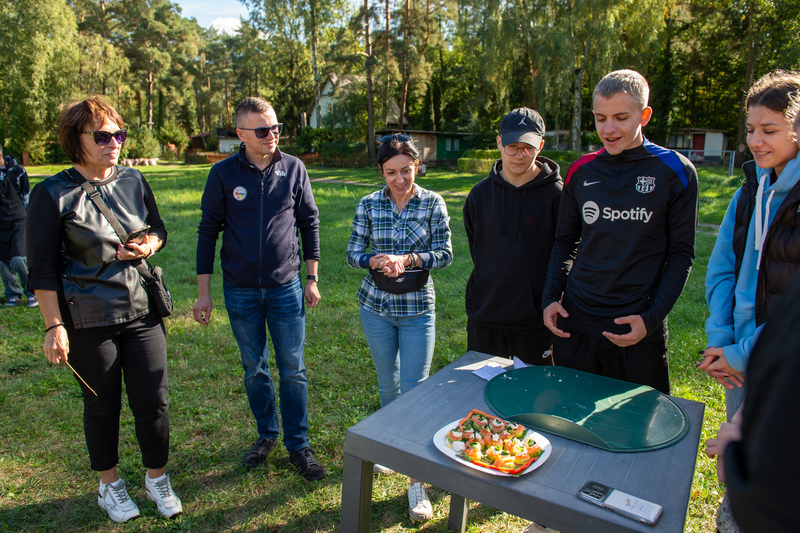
[(97, 199)]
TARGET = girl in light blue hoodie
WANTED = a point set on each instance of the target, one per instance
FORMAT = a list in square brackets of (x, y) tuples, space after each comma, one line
[(737, 302)]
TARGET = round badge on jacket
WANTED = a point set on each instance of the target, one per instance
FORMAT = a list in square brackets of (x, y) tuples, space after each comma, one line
[(239, 193)]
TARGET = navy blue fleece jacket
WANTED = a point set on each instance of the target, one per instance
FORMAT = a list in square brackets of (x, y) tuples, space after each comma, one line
[(260, 214)]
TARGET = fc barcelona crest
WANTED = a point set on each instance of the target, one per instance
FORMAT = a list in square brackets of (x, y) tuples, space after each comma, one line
[(645, 184)]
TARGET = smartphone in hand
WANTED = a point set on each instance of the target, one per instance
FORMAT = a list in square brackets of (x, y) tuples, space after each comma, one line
[(137, 236), (621, 503)]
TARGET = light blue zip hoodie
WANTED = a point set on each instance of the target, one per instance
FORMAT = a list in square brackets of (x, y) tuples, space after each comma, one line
[(734, 329)]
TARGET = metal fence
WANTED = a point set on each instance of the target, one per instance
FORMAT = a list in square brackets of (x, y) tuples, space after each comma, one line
[(709, 158)]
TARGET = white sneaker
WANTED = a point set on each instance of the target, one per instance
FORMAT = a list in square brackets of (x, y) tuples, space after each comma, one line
[(113, 498), (419, 506), (382, 470), (159, 490)]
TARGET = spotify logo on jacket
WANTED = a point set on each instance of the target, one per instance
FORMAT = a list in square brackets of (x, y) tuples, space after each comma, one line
[(591, 212)]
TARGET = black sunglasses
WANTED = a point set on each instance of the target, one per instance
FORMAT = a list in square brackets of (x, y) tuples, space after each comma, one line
[(402, 137), (261, 133), (102, 138)]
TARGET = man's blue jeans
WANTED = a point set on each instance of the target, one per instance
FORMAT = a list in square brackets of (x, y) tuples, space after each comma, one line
[(8, 273), (402, 350), (283, 311)]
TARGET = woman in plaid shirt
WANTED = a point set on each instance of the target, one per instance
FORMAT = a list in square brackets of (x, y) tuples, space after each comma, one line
[(406, 227)]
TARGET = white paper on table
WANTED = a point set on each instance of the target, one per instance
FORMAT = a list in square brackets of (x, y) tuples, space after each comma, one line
[(518, 363), (488, 371)]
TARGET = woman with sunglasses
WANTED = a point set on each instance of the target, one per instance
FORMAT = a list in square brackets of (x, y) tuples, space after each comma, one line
[(407, 229), (97, 312)]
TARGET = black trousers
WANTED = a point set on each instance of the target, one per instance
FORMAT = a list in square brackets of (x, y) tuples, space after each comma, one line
[(531, 349), (135, 351), (645, 363)]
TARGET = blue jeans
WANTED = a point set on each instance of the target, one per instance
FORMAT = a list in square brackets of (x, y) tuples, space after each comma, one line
[(8, 273), (402, 349), (282, 309)]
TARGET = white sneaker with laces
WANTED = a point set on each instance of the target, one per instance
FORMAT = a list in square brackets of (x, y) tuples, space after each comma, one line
[(419, 506), (159, 490), (113, 498)]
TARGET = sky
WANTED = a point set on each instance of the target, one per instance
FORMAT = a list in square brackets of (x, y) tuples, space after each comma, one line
[(221, 14)]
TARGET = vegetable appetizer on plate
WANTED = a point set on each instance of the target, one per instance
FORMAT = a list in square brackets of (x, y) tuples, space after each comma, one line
[(493, 443)]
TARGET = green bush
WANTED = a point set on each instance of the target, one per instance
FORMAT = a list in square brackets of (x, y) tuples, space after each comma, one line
[(310, 139), (344, 150), (291, 149), (562, 155), (54, 154), (475, 166), (494, 155), (140, 144), (172, 133)]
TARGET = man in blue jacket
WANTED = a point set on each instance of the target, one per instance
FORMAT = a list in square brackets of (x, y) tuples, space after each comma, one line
[(260, 199)]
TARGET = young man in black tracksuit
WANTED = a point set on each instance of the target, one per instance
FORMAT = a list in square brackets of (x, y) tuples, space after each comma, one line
[(510, 218), (624, 244)]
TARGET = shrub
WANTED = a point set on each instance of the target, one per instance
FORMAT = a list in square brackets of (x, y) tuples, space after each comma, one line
[(494, 155), (172, 133), (475, 166), (291, 149), (140, 144), (344, 150)]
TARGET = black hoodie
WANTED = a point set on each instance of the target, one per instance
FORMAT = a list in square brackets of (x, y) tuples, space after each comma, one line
[(510, 231)]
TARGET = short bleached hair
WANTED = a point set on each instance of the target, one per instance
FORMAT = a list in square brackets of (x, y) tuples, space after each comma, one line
[(624, 81)]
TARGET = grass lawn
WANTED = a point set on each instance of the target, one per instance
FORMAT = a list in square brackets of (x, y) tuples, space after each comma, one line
[(45, 480)]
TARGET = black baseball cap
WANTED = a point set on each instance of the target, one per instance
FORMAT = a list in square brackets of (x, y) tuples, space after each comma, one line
[(522, 125)]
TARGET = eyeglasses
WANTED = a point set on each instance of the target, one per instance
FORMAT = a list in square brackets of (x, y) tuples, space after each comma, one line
[(261, 133), (102, 138), (513, 151), (402, 137)]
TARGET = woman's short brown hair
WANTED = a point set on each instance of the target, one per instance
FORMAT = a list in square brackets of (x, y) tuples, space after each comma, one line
[(79, 115)]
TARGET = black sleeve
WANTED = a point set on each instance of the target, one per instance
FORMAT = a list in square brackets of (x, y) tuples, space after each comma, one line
[(212, 221), (468, 224), (681, 227), (43, 241), (565, 247), (307, 218), (762, 469), (153, 218)]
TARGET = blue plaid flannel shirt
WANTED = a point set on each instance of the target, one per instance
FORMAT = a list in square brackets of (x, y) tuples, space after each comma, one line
[(421, 227)]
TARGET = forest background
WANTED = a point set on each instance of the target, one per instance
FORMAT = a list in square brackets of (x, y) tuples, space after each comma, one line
[(450, 65)]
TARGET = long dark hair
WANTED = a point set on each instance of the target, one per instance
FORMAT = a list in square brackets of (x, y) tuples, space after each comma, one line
[(774, 91)]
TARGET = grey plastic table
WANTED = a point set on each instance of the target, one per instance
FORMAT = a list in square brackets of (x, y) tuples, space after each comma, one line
[(400, 436)]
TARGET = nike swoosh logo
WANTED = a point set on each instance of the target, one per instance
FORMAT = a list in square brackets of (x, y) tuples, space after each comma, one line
[(587, 183)]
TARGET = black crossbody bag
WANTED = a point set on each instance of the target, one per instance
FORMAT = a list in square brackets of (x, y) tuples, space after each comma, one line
[(153, 277)]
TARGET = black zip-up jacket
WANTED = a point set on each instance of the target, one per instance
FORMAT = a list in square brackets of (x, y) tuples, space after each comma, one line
[(72, 248), (14, 192), (260, 214), (780, 259), (625, 237), (510, 231)]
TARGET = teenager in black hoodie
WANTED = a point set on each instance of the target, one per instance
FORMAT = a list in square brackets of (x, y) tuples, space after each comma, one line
[(510, 218)]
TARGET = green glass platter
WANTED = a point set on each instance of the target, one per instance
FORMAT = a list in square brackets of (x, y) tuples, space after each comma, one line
[(607, 413)]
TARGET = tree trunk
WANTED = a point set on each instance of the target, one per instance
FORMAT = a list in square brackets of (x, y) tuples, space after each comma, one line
[(388, 70), (370, 103), (314, 68), (576, 108), (150, 99), (740, 150), (404, 93)]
